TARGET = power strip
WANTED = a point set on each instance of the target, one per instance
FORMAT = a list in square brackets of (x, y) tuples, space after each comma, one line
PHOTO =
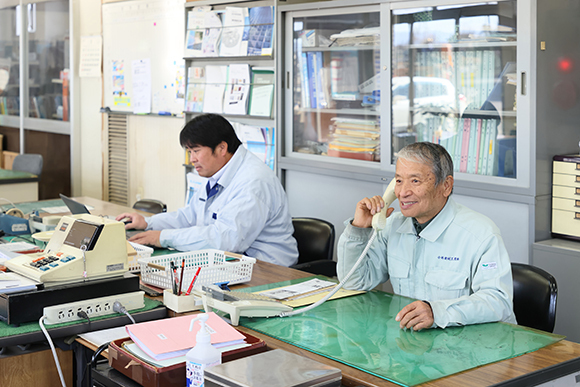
[(101, 306)]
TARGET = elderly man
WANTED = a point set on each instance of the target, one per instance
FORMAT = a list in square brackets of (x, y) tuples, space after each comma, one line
[(448, 257)]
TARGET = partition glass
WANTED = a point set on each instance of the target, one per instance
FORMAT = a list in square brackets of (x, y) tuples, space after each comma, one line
[(48, 60), (336, 87), (9, 63), (454, 83)]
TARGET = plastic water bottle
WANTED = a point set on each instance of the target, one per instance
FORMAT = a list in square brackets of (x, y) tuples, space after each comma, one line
[(201, 356)]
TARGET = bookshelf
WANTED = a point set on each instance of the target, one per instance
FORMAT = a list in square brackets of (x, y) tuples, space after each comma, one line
[(230, 65), (470, 76)]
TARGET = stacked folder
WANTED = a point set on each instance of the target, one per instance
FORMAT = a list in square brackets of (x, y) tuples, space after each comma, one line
[(355, 139)]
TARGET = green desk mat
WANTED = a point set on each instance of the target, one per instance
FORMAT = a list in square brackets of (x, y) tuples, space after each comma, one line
[(361, 331), (7, 330), (28, 207)]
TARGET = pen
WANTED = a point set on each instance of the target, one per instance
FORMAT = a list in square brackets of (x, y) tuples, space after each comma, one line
[(174, 277), (193, 281), (181, 277)]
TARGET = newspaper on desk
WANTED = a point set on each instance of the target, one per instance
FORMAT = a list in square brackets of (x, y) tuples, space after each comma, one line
[(306, 293)]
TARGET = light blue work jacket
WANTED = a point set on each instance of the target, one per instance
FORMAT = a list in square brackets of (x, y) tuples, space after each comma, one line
[(458, 263), (249, 215)]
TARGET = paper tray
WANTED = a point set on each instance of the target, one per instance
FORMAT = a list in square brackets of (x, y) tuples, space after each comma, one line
[(150, 376)]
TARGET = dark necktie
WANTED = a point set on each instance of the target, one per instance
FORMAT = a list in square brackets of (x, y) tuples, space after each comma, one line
[(211, 190)]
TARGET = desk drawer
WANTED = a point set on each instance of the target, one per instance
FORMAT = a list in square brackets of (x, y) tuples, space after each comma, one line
[(566, 180), (572, 205), (569, 168), (566, 222), (559, 191)]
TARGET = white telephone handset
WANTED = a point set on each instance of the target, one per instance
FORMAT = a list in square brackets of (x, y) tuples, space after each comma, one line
[(380, 219)]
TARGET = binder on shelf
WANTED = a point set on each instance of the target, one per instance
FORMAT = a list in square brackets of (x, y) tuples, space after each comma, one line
[(260, 34), (262, 91), (233, 31), (211, 34), (216, 77), (195, 30), (237, 90), (194, 95)]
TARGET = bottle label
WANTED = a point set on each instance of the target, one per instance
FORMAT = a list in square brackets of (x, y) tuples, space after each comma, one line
[(194, 373)]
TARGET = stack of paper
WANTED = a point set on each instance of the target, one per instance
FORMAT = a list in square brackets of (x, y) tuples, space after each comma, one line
[(307, 292), (169, 338), (12, 282), (354, 138)]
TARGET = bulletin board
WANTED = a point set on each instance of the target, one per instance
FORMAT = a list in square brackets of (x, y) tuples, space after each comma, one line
[(143, 43)]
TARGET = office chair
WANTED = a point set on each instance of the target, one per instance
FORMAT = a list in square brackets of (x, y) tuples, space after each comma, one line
[(315, 239), (150, 205), (535, 294), (31, 163)]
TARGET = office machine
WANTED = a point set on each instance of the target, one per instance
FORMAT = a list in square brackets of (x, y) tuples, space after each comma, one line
[(565, 197), (82, 247)]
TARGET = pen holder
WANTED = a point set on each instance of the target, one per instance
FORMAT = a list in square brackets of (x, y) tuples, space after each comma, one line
[(181, 304)]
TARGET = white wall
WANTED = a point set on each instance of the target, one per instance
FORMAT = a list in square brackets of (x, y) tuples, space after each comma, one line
[(155, 156), (88, 147)]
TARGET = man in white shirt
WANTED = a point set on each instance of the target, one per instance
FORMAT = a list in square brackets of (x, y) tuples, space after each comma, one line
[(242, 209), (448, 257)]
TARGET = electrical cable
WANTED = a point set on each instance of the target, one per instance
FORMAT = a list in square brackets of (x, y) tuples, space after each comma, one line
[(40, 322), (119, 308), (83, 314), (337, 287)]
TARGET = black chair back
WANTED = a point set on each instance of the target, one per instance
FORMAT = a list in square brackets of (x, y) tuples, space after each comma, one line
[(150, 205), (535, 295), (315, 238)]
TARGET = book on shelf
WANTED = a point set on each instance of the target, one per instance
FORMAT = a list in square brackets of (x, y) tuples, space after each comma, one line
[(260, 34), (304, 83), (262, 91), (233, 31), (211, 34), (195, 30), (237, 90), (194, 95), (344, 69), (170, 337), (216, 78)]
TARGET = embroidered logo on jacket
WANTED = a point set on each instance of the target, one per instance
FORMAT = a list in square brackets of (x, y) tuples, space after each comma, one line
[(444, 258), (490, 265)]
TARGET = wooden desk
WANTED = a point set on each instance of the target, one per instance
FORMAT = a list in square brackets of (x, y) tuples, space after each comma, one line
[(18, 186), (265, 273)]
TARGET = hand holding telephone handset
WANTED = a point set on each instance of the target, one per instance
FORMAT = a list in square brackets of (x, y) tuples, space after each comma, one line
[(378, 223), (380, 219)]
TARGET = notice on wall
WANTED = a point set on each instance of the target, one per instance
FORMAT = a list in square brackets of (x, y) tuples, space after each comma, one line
[(91, 56)]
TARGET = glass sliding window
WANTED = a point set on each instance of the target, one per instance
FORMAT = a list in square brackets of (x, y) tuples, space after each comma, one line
[(9, 63), (454, 83), (48, 60), (336, 86)]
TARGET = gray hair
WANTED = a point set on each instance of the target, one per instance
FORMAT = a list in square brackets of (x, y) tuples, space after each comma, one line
[(430, 154)]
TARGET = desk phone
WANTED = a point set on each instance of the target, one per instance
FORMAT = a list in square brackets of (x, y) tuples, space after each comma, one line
[(238, 304), (82, 247)]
